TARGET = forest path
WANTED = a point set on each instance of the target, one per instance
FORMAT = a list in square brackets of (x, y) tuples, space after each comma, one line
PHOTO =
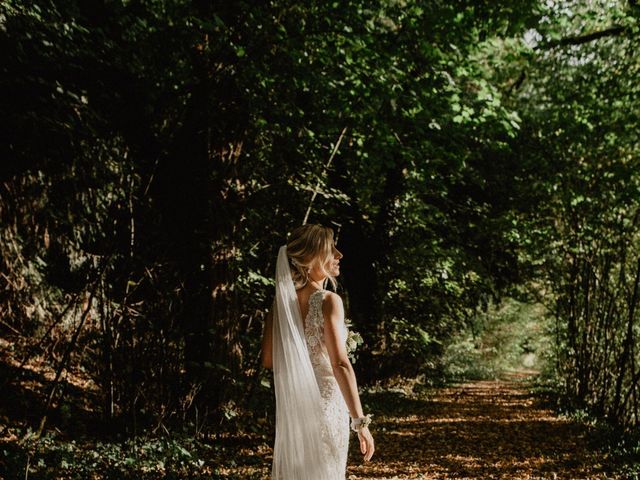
[(476, 430)]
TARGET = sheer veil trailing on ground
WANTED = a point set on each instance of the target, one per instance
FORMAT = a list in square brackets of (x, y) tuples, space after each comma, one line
[(298, 451)]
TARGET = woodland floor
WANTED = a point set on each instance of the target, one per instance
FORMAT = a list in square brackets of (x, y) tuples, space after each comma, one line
[(480, 430), (474, 430)]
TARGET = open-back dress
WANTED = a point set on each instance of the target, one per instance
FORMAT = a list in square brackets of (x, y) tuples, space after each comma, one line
[(335, 415)]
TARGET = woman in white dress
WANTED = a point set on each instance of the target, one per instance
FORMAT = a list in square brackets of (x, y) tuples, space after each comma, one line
[(304, 342)]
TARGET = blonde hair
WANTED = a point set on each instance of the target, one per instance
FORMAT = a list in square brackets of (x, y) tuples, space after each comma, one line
[(306, 245)]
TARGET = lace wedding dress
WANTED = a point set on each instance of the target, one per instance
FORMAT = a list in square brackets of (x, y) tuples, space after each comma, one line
[(335, 415)]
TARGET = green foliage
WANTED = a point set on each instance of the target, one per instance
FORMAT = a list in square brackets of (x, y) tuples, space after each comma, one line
[(159, 151), (177, 142), (508, 336), (582, 226), (51, 457)]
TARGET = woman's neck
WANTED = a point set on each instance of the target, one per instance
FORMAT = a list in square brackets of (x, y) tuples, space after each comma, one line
[(316, 284)]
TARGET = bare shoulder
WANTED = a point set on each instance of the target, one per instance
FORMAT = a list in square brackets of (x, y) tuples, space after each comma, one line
[(332, 304)]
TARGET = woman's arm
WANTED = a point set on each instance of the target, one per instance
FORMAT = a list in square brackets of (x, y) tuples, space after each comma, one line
[(333, 312), (267, 341)]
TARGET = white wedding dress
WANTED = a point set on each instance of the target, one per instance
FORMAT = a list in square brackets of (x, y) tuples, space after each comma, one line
[(335, 415)]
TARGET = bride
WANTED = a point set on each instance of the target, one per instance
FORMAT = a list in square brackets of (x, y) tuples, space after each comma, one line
[(315, 385)]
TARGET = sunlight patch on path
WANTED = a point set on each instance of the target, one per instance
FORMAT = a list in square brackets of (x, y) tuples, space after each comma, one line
[(475, 431), (492, 429)]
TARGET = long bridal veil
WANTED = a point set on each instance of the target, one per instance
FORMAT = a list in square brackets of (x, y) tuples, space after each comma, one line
[(298, 451)]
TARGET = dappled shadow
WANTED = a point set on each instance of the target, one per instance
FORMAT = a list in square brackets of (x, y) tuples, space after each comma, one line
[(475, 430), (483, 429), (24, 395)]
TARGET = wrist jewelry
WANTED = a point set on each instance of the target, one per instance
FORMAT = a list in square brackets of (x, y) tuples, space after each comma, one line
[(358, 423)]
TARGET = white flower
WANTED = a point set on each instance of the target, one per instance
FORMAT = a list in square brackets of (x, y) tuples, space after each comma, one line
[(353, 340)]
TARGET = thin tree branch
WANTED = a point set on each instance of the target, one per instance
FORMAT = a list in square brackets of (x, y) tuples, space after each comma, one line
[(582, 39), (36, 346), (326, 167), (71, 346), (516, 85)]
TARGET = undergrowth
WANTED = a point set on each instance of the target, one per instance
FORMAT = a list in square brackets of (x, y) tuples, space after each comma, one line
[(175, 457), (509, 336), (620, 447)]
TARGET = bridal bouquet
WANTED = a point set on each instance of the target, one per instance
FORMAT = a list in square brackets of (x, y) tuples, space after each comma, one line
[(353, 340)]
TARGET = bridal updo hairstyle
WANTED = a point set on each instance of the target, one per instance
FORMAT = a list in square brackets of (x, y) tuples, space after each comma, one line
[(307, 245)]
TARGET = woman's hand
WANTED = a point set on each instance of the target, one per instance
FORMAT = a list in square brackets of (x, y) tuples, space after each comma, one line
[(366, 443)]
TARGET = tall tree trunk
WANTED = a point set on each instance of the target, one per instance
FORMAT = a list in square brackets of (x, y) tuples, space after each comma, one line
[(624, 357)]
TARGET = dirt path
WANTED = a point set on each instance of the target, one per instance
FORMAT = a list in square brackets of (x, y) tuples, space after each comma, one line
[(476, 430)]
